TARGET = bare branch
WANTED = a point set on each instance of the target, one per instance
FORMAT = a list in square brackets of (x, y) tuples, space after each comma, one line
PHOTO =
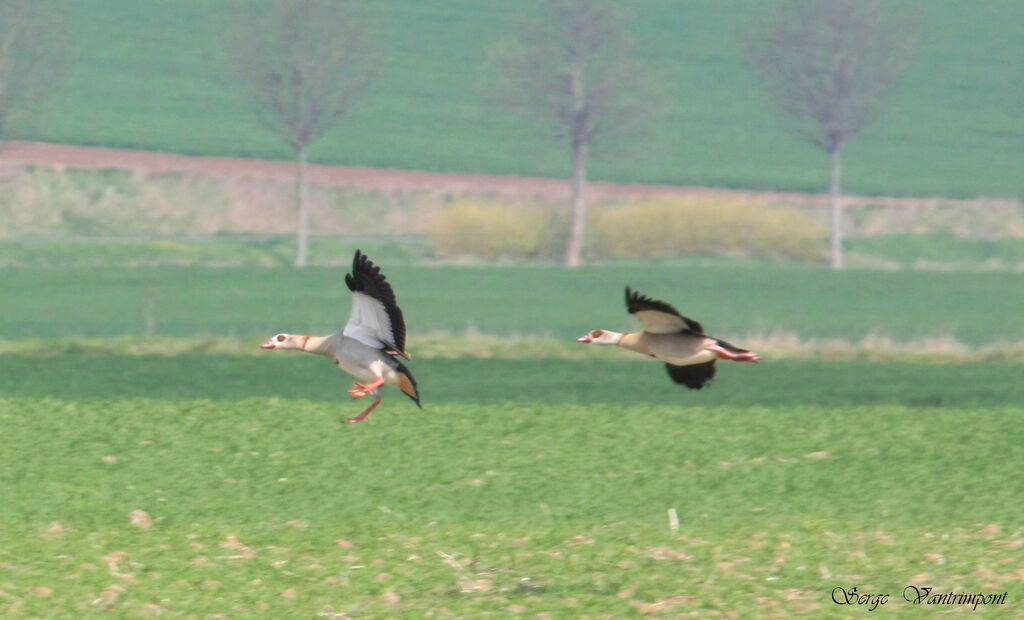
[(302, 63), (571, 68), (828, 63)]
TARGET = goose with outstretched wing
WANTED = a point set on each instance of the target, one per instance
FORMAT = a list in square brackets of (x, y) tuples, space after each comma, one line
[(689, 354), (369, 345)]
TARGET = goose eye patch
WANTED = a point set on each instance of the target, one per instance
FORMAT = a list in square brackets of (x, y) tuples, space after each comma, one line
[(280, 338)]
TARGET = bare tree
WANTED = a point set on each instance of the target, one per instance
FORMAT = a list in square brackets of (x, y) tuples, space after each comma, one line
[(827, 64), (302, 64), (32, 50), (571, 67)]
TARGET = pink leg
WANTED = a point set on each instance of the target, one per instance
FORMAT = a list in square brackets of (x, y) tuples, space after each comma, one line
[(360, 390), (748, 356), (362, 416)]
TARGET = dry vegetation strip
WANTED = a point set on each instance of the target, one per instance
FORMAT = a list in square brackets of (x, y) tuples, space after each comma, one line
[(474, 344), (236, 194)]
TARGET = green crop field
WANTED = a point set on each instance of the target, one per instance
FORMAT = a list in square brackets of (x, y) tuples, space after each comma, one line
[(621, 381), (532, 483), (269, 507), (151, 75), (943, 250), (732, 298), (157, 464)]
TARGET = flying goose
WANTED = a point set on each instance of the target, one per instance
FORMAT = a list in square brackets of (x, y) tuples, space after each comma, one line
[(368, 345), (689, 354)]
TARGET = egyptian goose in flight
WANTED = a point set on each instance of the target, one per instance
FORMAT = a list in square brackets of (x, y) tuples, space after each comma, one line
[(368, 345), (689, 354)]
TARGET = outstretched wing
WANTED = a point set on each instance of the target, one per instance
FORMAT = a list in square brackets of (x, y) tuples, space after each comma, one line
[(375, 320), (658, 317)]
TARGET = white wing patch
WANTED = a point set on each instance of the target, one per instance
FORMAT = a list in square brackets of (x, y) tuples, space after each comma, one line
[(369, 323), (656, 322)]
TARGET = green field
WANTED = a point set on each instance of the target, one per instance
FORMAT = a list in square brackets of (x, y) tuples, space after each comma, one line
[(942, 251), (271, 508), (156, 464), (927, 251), (533, 482), (733, 298), (621, 382), (150, 75)]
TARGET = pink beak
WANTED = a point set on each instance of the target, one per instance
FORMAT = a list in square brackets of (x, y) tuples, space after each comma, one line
[(585, 338), (268, 344)]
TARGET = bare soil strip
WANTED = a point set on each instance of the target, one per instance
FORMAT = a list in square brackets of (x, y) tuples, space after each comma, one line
[(42, 154)]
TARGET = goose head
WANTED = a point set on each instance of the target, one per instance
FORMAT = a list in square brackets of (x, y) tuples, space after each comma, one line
[(282, 341), (600, 336)]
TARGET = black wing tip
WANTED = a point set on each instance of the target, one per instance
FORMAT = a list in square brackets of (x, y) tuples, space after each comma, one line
[(366, 274), (632, 299), (351, 279), (693, 376), (362, 270), (635, 302), (361, 261), (636, 297)]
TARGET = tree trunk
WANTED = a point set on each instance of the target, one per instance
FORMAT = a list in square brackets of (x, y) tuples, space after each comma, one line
[(302, 196), (835, 209), (578, 213)]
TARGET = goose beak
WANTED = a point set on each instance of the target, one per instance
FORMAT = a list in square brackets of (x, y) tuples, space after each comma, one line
[(268, 344), (585, 338)]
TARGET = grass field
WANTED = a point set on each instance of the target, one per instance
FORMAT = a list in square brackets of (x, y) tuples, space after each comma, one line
[(927, 251), (269, 507), (532, 483), (732, 298), (621, 381), (150, 75), (156, 464), (939, 251)]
